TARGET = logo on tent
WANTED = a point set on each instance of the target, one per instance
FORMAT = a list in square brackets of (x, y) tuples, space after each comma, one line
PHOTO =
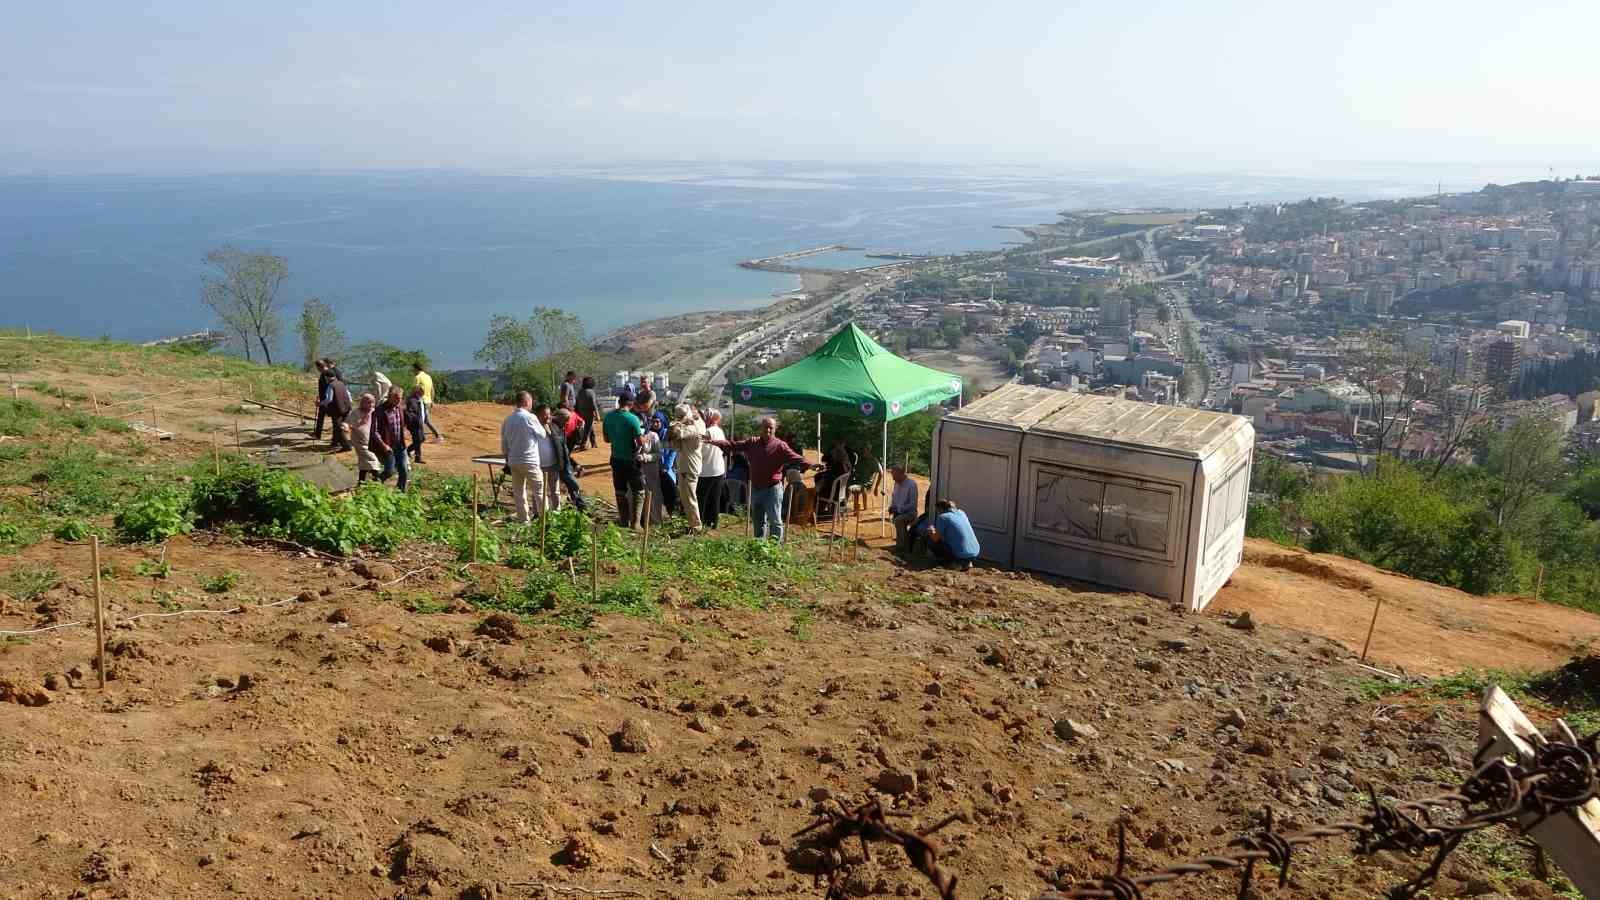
[(894, 407), (746, 394), (955, 385), (867, 407)]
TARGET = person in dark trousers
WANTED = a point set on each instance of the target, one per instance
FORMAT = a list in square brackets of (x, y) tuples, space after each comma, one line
[(623, 431), (588, 406), (566, 470), (325, 373), (713, 465), (339, 408), (389, 438), (416, 415)]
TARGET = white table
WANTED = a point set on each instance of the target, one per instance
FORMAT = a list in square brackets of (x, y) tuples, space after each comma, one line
[(494, 485)]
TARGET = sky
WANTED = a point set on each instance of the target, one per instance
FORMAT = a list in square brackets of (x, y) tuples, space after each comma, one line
[(131, 86)]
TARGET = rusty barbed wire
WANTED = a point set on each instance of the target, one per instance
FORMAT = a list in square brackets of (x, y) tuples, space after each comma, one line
[(1561, 776), (869, 822)]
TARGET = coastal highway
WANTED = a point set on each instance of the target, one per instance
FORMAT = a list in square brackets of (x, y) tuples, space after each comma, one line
[(729, 356)]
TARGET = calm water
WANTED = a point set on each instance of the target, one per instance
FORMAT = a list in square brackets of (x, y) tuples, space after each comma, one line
[(424, 258)]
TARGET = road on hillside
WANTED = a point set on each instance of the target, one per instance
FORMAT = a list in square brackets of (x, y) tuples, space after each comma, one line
[(714, 374)]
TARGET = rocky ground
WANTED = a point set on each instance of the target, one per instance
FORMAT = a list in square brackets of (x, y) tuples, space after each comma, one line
[(339, 745), (355, 729)]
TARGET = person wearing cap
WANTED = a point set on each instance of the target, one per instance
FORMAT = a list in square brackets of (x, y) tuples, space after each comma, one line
[(623, 431)]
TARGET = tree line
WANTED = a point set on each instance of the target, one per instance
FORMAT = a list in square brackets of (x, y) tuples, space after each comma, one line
[(244, 290)]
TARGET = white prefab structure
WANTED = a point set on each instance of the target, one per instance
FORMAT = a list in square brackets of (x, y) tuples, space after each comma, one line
[(1127, 494)]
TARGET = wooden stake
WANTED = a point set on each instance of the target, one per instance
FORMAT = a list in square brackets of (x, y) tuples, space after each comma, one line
[(1371, 628), (594, 561), (216, 454), (644, 535), (99, 616), (474, 516), (14, 397), (237, 445), (153, 419), (94, 400), (857, 553), (544, 521), (788, 507)]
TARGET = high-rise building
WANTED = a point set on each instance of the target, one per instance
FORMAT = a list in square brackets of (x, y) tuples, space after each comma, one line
[(1503, 364)]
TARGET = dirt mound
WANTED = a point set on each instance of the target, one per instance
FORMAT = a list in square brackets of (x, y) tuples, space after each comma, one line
[(1292, 561), (1575, 684)]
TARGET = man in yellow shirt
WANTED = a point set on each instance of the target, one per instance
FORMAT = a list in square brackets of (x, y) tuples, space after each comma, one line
[(423, 380)]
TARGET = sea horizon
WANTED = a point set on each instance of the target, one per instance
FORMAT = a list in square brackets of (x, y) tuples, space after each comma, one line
[(423, 258)]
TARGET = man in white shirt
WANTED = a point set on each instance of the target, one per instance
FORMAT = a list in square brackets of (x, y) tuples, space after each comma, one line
[(902, 506), (519, 444)]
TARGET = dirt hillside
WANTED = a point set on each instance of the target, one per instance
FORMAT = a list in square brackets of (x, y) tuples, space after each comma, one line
[(342, 728)]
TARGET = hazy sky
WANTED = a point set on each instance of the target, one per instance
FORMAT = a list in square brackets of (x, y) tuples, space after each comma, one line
[(1207, 85)]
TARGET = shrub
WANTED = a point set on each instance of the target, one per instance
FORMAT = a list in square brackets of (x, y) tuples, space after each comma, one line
[(73, 530), (155, 514), (20, 418), (29, 582), (221, 584)]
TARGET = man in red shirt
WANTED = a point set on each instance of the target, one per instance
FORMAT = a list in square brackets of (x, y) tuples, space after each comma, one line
[(767, 457)]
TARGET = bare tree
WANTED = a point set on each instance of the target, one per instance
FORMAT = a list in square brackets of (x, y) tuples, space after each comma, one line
[(319, 332), (1463, 424), (1393, 381), (242, 289)]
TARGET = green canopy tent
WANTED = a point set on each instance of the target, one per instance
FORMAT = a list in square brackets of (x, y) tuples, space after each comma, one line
[(852, 376)]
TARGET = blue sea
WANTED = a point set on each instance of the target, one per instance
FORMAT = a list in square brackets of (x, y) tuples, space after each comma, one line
[(424, 258)]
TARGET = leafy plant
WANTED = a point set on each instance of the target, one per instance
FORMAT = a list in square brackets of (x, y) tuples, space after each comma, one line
[(422, 603), (153, 568), (20, 418), (29, 582), (73, 530), (223, 583), (156, 514)]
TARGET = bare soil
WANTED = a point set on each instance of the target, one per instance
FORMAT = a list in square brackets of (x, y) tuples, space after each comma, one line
[(336, 744)]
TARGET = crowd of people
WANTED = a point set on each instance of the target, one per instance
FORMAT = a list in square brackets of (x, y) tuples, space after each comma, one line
[(663, 462), (383, 427)]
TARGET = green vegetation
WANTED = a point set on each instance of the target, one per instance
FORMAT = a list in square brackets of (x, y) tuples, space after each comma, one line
[(29, 582), (1573, 689), (156, 514), (1523, 520), (153, 568), (221, 583), (534, 354)]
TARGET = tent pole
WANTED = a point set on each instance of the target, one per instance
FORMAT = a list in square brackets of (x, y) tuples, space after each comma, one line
[(733, 415), (819, 437), (883, 486)]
